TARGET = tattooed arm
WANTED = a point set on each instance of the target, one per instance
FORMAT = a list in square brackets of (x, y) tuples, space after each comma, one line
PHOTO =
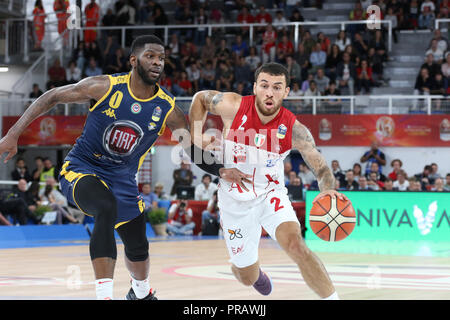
[(303, 141), (83, 91)]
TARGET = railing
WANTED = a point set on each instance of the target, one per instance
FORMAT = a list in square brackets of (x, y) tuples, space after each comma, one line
[(439, 21), (360, 104), (77, 33)]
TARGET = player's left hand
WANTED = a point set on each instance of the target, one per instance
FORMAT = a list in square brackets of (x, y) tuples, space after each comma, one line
[(234, 175), (333, 193)]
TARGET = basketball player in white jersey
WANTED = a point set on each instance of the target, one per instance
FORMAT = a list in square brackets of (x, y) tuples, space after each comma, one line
[(258, 134)]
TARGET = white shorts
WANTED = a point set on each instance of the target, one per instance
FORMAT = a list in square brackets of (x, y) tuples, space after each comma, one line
[(242, 227)]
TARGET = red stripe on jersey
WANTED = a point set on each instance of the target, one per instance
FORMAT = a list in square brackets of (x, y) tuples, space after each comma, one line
[(274, 136)]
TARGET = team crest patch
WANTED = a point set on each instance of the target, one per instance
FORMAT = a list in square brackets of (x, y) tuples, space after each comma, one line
[(136, 108), (259, 140), (156, 116), (281, 133), (151, 126)]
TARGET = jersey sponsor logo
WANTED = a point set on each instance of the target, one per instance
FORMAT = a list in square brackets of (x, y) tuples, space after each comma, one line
[(281, 133), (236, 250), (110, 113), (122, 137), (239, 153), (136, 108), (151, 126), (272, 160), (235, 234), (156, 116), (259, 139)]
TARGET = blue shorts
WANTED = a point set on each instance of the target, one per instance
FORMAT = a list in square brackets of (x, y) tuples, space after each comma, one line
[(121, 183)]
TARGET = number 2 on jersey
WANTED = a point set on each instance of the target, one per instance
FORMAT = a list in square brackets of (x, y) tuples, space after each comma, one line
[(244, 120), (277, 203)]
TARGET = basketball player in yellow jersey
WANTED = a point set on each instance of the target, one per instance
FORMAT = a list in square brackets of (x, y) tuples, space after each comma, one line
[(98, 175), (258, 134)]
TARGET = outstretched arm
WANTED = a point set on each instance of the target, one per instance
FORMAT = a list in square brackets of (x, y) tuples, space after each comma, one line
[(83, 91), (179, 126), (303, 141)]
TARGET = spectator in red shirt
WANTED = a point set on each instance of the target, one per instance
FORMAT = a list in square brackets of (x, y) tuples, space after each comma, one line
[(245, 17), (187, 52), (165, 82), (364, 77), (57, 74), (269, 44), (396, 165), (262, 17), (324, 42), (185, 84), (284, 48)]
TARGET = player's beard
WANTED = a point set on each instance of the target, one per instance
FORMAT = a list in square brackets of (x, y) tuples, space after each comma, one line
[(260, 105), (144, 75)]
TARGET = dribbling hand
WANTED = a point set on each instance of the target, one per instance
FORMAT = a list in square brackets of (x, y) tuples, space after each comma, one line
[(333, 193), (8, 144), (234, 175)]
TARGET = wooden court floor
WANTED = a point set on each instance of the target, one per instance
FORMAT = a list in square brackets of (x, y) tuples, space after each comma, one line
[(199, 270)]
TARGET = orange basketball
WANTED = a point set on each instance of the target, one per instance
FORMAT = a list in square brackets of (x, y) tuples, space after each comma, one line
[(332, 219)]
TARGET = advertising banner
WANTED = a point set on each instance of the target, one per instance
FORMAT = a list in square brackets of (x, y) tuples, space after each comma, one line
[(395, 215), (327, 130)]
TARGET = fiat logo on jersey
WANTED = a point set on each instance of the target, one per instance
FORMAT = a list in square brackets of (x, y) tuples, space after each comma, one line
[(122, 137), (259, 139)]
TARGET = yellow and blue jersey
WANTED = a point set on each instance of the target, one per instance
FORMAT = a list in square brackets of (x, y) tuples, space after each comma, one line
[(119, 131)]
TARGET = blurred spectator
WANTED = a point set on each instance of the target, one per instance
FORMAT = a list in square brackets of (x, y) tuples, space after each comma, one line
[(287, 169), (79, 55), (56, 74), (240, 47), (280, 18), (394, 22), (222, 52), (207, 76), (445, 68), (437, 88), (295, 90), (426, 17), (180, 219), (414, 185), (211, 215), (342, 41), (185, 84), (374, 155), (295, 72), (362, 182), (292, 175), (438, 185), (401, 183), (360, 45), (349, 182), (375, 61), (262, 17), (302, 59), (357, 14), (115, 63), (171, 64), (253, 60), (438, 54), (332, 61), (150, 198), (94, 51), (442, 42), (200, 18), (308, 42), (174, 46), (31, 197), (389, 185), (447, 182), (165, 81), (379, 44), (243, 73), (346, 73), (224, 77), (414, 12), (357, 171), (292, 9), (38, 24), (318, 58), (337, 171), (92, 13), (205, 190), (208, 50), (269, 44), (13, 205), (424, 178), (364, 77), (60, 7), (375, 168), (305, 174), (312, 91), (159, 191), (306, 83), (350, 49), (182, 177), (193, 73), (296, 16), (21, 171), (396, 165), (55, 200), (325, 43), (321, 80), (423, 85), (73, 73), (434, 174), (188, 51), (284, 48), (36, 92), (333, 105), (48, 171), (373, 182), (109, 20), (36, 174), (93, 70), (244, 17)]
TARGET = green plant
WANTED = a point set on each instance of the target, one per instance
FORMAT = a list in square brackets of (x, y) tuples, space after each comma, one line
[(41, 210), (157, 216)]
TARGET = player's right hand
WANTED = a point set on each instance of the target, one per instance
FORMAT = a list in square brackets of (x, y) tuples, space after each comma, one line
[(234, 175), (8, 144)]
